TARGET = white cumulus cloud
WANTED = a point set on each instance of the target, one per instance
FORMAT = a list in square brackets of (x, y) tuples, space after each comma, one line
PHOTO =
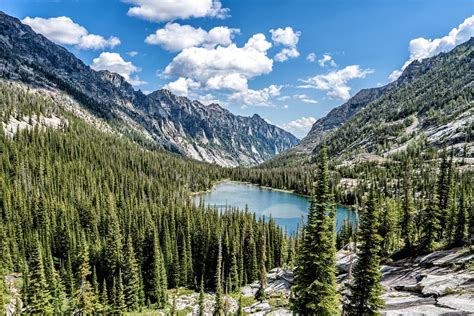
[(170, 10), (311, 57), (182, 86), (327, 59), (175, 37), (286, 53), (260, 97), (335, 82), (421, 47), (300, 127), (115, 63), (64, 31), (220, 67), (286, 37)]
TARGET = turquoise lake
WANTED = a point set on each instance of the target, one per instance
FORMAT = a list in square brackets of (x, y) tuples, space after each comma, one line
[(286, 208)]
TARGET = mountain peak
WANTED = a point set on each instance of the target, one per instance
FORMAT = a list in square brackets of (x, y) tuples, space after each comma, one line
[(207, 133)]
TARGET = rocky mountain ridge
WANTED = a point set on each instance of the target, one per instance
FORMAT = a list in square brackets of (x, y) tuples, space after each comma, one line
[(432, 100), (204, 132)]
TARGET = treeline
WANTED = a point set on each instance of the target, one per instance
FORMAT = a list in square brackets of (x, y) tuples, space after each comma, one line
[(93, 223)]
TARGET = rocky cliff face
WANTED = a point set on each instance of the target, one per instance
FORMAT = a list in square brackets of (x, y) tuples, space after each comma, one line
[(205, 132)]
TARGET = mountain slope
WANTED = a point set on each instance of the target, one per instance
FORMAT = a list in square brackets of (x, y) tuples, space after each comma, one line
[(433, 102), (207, 133), (432, 99)]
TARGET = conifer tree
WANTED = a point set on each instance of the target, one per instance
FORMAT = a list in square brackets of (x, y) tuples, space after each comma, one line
[(104, 298), (131, 278), (39, 298), (251, 256), (219, 303), (260, 295), (314, 290), (365, 289), (444, 188), (95, 288), (119, 297), (408, 210), (201, 298), (113, 243), (85, 298), (430, 222), (234, 273), (160, 284), (461, 220)]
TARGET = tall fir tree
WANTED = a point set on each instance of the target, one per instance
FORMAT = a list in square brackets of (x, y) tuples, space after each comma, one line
[(430, 222), (407, 223), (118, 297), (219, 300), (261, 295), (365, 289), (201, 311), (160, 283), (314, 290), (85, 297), (39, 297), (461, 220), (444, 188), (234, 272), (131, 278), (104, 297)]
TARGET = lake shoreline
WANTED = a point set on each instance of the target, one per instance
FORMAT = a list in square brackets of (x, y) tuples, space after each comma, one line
[(215, 183), (247, 183)]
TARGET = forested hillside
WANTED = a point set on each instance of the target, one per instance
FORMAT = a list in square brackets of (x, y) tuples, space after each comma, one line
[(91, 222)]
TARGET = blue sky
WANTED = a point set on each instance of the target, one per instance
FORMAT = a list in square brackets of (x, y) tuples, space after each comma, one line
[(226, 52)]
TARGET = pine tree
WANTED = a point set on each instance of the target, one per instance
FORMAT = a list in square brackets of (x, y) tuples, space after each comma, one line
[(118, 297), (160, 284), (39, 298), (131, 278), (408, 211), (251, 256), (84, 299), (219, 303), (95, 288), (234, 273), (260, 295), (104, 298), (444, 187), (461, 220), (365, 290), (430, 223), (201, 298), (314, 290), (113, 242)]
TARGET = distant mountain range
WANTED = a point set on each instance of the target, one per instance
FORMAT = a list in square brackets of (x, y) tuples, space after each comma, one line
[(431, 102), (204, 132)]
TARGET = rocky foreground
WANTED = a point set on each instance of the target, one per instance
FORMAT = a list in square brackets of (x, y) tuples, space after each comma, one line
[(441, 283)]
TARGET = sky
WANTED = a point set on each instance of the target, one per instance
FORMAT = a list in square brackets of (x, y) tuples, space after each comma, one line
[(291, 62)]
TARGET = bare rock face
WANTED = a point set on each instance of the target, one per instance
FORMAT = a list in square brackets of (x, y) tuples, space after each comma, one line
[(205, 132)]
